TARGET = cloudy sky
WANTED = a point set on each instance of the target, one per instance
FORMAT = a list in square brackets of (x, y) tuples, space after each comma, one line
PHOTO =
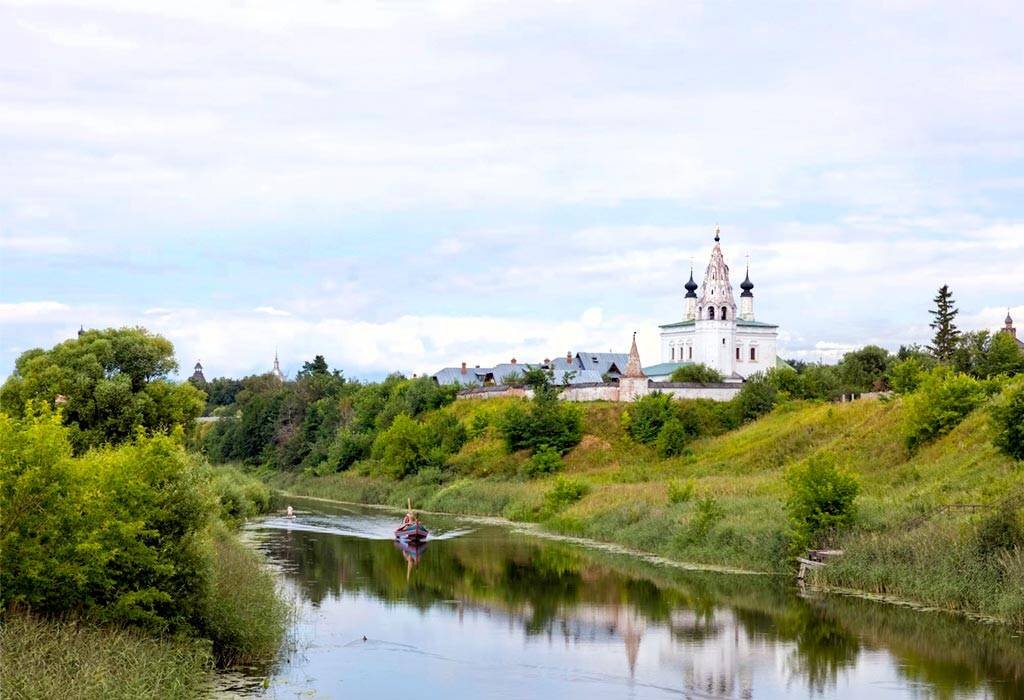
[(402, 186)]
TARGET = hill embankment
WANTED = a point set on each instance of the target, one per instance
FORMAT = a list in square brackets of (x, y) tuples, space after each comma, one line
[(922, 518)]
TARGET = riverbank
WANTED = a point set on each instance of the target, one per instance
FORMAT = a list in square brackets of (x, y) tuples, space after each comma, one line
[(721, 503), (122, 575)]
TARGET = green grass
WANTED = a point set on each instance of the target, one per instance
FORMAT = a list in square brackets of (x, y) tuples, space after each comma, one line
[(76, 661), (629, 497), (245, 617)]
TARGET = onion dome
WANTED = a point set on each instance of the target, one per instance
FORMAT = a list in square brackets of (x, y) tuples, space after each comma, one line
[(747, 285), (691, 287), (1008, 321)]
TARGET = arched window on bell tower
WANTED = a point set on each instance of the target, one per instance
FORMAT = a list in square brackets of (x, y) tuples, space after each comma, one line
[(725, 312), (711, 313)]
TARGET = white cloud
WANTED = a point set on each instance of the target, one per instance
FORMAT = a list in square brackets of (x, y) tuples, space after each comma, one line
[(271, 311), (32, 311), (39, 245)]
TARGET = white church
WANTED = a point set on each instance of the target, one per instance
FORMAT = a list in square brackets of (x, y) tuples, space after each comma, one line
[(714, 331)]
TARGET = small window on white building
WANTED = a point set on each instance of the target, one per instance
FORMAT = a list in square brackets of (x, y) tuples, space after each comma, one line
[(737, 352), (673, 354), (691, 352), (724, 312), (753, 354), (711, 313)]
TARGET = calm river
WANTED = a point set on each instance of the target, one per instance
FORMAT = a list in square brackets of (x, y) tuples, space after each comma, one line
[(487, 612)]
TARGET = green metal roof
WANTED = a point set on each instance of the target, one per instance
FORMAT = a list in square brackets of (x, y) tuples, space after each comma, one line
[(782, 364), (677, 324), (664, 368)]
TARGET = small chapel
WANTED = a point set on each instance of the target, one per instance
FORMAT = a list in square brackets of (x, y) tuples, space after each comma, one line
[(714, 331)]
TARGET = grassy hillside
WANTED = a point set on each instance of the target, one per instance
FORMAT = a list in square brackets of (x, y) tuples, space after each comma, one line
[(727, 507)]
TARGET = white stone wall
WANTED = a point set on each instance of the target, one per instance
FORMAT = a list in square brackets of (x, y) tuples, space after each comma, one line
[(763, 341), (714, 345), (633, 389), (715, 392)]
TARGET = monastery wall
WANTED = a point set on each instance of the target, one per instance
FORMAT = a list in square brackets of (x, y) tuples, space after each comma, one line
[(630, 390)]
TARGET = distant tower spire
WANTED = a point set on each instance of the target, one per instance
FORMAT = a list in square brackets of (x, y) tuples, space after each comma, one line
[(277, 368), (81, 330), (633, 367), (718, 232)]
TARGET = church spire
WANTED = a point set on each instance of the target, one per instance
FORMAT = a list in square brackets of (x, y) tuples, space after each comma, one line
[(277, 368), (716, 299), (633, 368)]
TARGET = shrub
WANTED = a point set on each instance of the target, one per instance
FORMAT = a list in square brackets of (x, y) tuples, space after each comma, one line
[(705, 417), (680, 491), (348, 447), (565, 492), (545, 421), (906, 375), (241, 496), (941, 401), (1000, 530), (756, 398), (544, 461), (119, 533), (820, 500), (646, 416), (478, 424), (1008, 418), (707, 514), (672, 439), (699, 373)]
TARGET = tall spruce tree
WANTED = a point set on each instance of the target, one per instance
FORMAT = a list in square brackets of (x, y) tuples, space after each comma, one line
[(946, 333)]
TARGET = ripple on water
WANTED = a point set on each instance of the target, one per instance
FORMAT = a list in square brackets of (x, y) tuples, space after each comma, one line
[(365, 527)]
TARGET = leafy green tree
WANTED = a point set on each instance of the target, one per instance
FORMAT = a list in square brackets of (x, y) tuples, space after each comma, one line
[(120, 533), (906, 375), (946, 333), (109, 384), (1004, 357), (820, 381), (786, 381), (820, 500), (317, 366), (865, 369), (1008, 419), (943, 399), (544, 421), (222, 391), (645, 417), (756, 398), (699, 373)]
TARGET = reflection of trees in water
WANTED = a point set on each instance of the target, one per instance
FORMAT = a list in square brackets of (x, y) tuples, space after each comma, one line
[(726, 625), (952, 655)]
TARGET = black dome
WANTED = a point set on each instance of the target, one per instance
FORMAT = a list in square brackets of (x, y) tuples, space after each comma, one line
[(746, 286), (691, 286)]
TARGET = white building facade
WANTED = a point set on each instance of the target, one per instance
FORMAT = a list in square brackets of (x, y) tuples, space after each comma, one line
[(717, 332)]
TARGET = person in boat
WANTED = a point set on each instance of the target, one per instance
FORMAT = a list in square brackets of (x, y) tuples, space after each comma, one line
[(291, 513), (409, 518)]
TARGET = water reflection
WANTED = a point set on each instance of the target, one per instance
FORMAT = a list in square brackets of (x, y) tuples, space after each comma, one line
[(494, 613)]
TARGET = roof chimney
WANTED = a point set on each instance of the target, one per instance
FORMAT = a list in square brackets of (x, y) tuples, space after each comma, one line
[(513, 360), (463, 367), (568, 357)]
